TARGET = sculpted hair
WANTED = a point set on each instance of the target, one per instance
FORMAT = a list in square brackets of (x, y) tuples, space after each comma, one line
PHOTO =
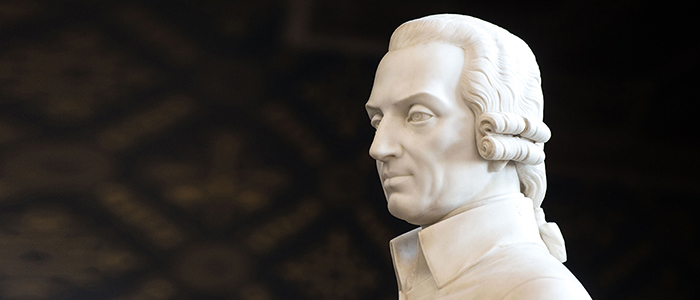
[(500, 75), (500, 82)]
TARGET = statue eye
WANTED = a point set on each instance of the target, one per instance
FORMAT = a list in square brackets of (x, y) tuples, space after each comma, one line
[(419, 113), (418, 116)]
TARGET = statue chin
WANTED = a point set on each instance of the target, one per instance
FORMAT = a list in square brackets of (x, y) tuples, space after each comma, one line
[(401, 207), (397, 208)]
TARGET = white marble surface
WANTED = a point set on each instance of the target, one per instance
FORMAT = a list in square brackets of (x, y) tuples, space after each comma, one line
[(457, 106)]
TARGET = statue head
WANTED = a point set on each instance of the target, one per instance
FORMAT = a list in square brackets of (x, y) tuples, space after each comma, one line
[(464, 95)]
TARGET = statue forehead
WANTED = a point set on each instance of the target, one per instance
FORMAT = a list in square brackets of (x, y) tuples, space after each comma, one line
[(419, 68)]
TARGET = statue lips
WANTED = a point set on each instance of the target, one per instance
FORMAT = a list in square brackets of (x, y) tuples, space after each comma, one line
[(393, 180)]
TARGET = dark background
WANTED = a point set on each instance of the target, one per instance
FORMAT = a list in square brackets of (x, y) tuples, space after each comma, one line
[(218, 149)]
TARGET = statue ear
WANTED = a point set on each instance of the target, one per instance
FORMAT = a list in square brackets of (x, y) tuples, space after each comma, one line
[(496, 165)]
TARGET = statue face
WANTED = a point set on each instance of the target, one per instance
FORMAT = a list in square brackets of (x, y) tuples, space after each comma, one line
[(425, 144)]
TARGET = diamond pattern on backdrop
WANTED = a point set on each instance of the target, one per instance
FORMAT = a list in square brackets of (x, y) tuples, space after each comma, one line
[(218, 149)]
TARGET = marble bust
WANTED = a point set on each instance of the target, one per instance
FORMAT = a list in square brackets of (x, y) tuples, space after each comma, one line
[(457, 106)]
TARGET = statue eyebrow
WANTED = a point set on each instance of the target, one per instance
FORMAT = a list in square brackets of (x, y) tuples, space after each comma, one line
[(412, 98), (373, 110)]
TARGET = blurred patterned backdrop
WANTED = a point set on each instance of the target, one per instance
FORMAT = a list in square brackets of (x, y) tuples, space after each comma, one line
[(218, 149)]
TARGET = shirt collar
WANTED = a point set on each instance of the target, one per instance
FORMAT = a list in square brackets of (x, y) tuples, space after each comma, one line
[(454, 245)]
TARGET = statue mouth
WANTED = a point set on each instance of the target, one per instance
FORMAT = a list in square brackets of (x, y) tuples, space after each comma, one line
[(395, 180)]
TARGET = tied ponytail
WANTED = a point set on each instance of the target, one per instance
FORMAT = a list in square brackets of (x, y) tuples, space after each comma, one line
[(508, 136)]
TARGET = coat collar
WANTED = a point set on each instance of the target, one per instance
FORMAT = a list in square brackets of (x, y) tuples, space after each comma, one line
[(454, 245)]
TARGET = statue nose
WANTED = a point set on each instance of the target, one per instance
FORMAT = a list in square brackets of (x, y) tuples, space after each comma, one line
[(385, 144)]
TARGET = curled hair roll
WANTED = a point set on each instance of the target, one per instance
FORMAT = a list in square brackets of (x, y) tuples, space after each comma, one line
[(514, 124), (507, 147)]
